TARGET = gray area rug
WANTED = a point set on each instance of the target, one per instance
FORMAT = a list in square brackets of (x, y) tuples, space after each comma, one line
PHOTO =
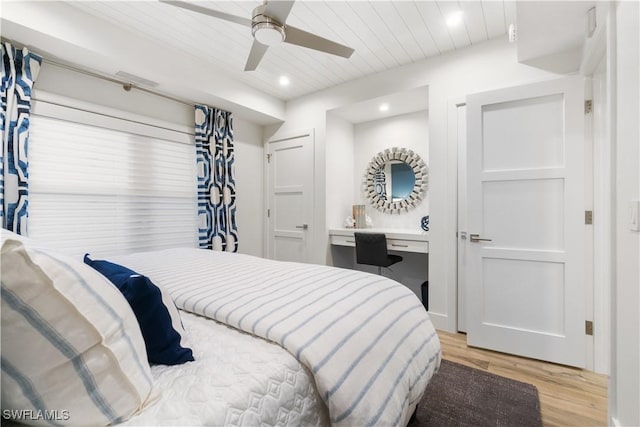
[(462, 396)]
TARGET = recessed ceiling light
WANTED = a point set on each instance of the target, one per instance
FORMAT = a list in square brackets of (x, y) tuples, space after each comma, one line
[(284, 81), (454, 18), (384, 107)]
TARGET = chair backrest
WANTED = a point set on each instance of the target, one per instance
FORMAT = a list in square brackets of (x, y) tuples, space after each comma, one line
[(371, 249)]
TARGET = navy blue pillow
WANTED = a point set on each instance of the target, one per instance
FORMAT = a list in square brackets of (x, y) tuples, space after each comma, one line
[(161, 332)]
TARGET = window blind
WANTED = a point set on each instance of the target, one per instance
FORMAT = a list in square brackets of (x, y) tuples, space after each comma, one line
[(97, 189)]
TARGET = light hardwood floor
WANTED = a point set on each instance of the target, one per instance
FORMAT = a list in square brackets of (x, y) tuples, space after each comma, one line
[(568, 396)]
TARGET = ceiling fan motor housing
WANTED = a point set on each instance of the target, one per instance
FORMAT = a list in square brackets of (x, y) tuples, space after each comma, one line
[(265, 29)]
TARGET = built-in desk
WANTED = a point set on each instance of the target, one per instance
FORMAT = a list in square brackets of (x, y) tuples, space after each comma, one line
[(397, 239), (411, 272)]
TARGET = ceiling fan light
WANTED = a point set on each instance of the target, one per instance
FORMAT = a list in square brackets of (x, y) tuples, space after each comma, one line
[(268, 33)]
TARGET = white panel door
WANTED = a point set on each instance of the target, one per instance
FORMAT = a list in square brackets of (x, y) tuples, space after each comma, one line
[(525, 186), (290, 186)]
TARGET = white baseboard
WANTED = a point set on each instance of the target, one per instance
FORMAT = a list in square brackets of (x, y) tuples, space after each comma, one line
[(440, 321)]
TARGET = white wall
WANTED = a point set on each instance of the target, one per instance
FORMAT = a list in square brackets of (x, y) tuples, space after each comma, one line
[(481, 67), (624, 405), (341, 196), (247, 136), (249, 187), (410, 131)]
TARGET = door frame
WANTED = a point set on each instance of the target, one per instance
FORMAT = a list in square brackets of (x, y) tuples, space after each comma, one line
[(602, 207), (461, 205), (284, 136), (597, 359)]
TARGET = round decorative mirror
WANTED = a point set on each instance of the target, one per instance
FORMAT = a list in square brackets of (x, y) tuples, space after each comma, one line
[(396, 180)]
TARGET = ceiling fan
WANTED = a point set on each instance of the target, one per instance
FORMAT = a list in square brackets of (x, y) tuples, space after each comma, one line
[(268, 27)]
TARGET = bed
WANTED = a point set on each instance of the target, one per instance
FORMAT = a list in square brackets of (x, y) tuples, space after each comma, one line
[(278, 343)]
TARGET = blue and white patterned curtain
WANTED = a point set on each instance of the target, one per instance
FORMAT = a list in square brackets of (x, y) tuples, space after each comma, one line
[(216, 179), (19, 70)]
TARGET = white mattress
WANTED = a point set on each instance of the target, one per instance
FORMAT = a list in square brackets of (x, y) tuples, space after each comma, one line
[(236, 380)]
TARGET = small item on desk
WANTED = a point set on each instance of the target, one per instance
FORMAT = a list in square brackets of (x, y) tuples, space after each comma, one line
[(424, 223), (368, 221), (359, 216), (349, 222)]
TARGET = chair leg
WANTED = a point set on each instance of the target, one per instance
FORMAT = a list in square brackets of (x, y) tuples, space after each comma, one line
[(379, 271)]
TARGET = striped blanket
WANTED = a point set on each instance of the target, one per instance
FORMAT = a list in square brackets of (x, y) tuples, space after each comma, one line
[(366, 339)]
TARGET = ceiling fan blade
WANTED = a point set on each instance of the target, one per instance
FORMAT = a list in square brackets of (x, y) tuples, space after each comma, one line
[(255, 55), (206, 11), (278, 10), (311, 41)]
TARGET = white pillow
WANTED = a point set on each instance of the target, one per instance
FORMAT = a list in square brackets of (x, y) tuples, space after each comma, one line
[(71, 346)]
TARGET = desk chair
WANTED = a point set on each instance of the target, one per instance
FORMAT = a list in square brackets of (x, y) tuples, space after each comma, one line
[(371, 249)]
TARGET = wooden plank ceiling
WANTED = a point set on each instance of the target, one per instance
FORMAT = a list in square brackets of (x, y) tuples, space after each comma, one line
[(384, 34)]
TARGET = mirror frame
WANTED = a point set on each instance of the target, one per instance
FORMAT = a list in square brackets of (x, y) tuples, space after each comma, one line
[(420, 187)]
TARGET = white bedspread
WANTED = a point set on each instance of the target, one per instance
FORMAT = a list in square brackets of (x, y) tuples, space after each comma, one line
[(366, 339), (236, 380)]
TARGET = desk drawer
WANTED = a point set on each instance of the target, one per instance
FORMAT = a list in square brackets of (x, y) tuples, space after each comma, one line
[(343, 240), (407, 246), (399, 245)]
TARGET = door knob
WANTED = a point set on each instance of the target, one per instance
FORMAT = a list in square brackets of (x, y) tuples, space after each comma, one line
[(477, 238), (303, 226)]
